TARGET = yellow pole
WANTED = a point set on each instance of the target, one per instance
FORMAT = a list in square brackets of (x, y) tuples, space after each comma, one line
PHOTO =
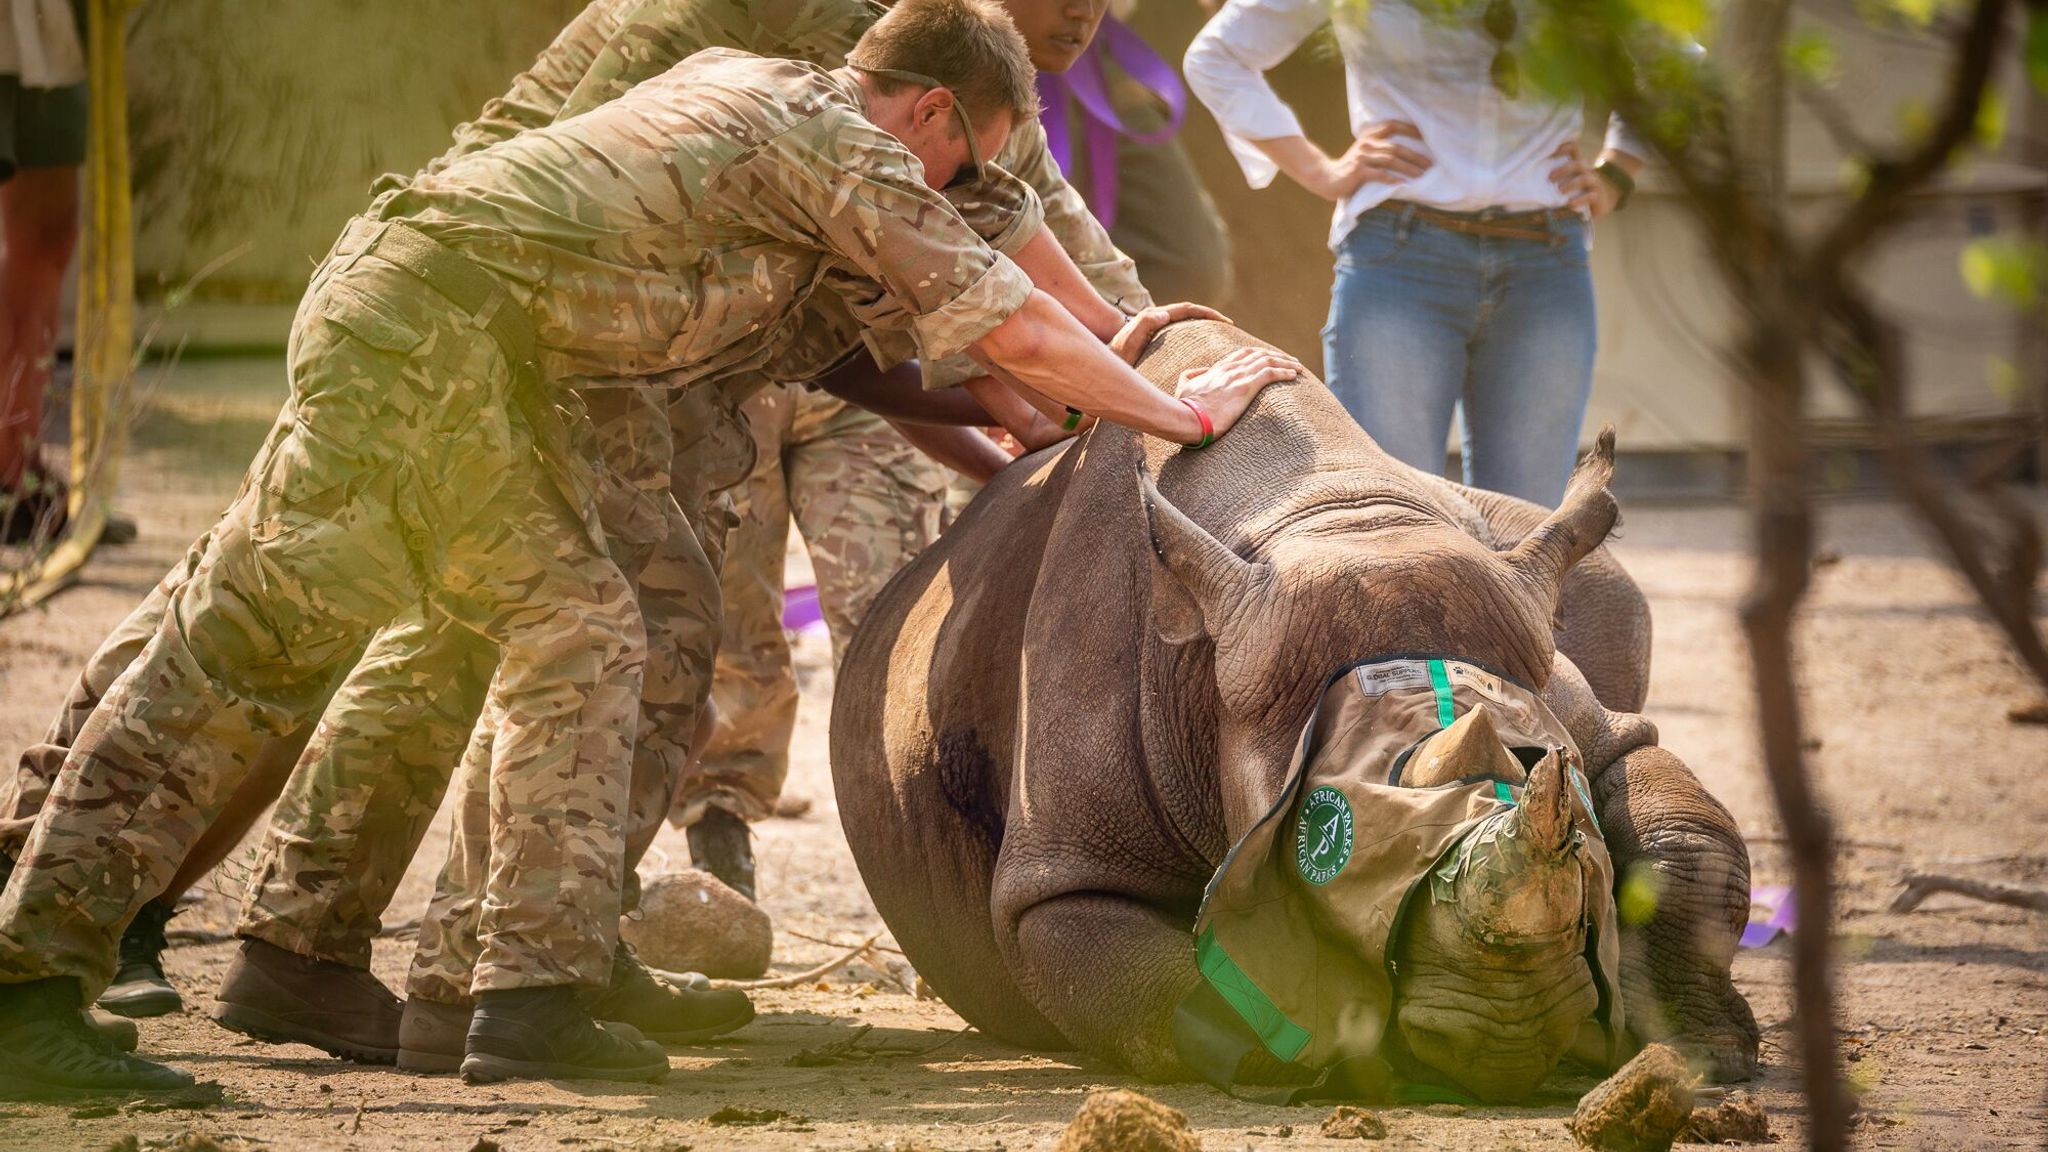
[(103, 360)]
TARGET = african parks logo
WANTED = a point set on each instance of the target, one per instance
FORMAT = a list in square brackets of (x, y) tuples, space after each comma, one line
[(1322, 838)]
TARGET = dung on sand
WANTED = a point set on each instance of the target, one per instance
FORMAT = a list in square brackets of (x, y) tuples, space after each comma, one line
[(1121, 1121), (1349, 1123), (1739, 1119), (1640, 1108)]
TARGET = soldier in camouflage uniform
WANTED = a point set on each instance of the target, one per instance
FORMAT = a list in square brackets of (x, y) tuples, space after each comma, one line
[(345, 831), (738, 198), (301, 901), (865, 500), (400, 470)]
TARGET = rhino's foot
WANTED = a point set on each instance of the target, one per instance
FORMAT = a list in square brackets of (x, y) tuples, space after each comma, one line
[(1709, 1022), (1725, 1048)]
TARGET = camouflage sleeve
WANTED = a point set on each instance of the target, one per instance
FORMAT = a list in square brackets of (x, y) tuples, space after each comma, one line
[(1001, 208), (654, 35), (538, 94), (1111, 272), (839, 183)]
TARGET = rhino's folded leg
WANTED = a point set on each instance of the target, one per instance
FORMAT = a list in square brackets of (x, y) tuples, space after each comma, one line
[(1684, 878), (1107, 971)]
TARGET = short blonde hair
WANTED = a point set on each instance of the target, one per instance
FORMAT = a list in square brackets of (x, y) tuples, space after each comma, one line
[(969, 46)]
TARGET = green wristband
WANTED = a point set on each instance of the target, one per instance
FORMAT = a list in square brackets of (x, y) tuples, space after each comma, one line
[(1074, 418)]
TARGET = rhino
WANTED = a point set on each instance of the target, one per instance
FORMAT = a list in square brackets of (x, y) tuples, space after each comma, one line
[(1052, 726)]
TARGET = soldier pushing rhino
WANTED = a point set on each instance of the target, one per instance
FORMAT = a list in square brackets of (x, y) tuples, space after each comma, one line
[(434, 456)]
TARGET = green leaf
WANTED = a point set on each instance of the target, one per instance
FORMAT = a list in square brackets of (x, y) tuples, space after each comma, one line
[(1810, 55), (1855, 175), (1920, 12), (2037, 47), (1914, 118), (1991, 120), (1636, 903), (2004, 378), (1687, 18), (2006, 268)]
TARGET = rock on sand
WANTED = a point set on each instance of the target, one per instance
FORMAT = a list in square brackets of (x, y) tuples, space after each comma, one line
[(691, 922), (1121, 1121)]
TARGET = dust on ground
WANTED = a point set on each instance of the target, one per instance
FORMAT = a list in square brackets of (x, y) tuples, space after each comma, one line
[(1943, 1009)]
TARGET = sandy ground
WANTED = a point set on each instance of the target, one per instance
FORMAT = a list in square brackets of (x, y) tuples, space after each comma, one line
[(1943, 1009)]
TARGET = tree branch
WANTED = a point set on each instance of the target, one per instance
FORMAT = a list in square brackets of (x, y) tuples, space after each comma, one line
[(1865, 350), (1894, 179)]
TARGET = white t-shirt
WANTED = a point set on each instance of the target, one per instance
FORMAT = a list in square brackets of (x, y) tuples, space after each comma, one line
[(1400, 63)]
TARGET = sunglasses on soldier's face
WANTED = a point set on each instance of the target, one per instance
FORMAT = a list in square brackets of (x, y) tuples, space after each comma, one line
[(970, 172)]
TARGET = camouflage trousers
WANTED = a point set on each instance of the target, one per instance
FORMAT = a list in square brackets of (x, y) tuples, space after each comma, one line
[(678, 583), (866, 502), (397, 481)]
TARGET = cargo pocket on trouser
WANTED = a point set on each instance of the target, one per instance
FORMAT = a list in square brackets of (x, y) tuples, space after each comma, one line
[(317, 535), (630, 442)]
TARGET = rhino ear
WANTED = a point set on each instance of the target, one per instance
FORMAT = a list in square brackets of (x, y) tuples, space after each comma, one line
[(1581, 522), (1196, 581)]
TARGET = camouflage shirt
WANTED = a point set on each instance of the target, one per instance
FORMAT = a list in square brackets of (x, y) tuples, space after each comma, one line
[(615, 44), (675, 230)]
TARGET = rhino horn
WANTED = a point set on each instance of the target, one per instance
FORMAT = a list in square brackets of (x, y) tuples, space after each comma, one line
[(1545, 814), (1522, 886), (1581, 522), (1469, 748), (1205, 581)]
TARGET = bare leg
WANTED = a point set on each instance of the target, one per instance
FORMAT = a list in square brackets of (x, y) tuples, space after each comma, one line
[(39, 212)]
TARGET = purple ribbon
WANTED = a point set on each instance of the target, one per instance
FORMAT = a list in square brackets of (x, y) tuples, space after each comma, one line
[(1779, 915), (800, 608), (1086, 85)]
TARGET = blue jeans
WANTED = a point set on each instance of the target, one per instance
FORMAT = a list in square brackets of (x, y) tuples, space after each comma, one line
[(1422, 317)]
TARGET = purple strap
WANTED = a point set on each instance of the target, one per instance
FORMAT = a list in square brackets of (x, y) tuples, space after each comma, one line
[(1780, 915), (800, 608), (1085, 84)]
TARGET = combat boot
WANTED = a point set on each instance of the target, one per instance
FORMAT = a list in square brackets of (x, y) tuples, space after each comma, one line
[(117, 1034), (49, 1052), (543, 1034), (663, 1011), (140, 988), (432, 1036), (721, 844), (284, 998)]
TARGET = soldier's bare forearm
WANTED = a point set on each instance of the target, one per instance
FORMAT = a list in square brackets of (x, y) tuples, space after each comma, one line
[(1054, 273), (965, 450), (1020, 411), (898, 394), (1050, 353)]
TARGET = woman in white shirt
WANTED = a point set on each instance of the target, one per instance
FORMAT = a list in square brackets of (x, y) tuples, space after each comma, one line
[(1460, 228)]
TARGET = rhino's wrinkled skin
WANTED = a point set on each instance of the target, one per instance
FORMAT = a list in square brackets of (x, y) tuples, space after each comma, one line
[(1054, 724)]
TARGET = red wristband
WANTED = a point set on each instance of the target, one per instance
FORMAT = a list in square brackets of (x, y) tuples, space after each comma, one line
[(1208, 425)]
